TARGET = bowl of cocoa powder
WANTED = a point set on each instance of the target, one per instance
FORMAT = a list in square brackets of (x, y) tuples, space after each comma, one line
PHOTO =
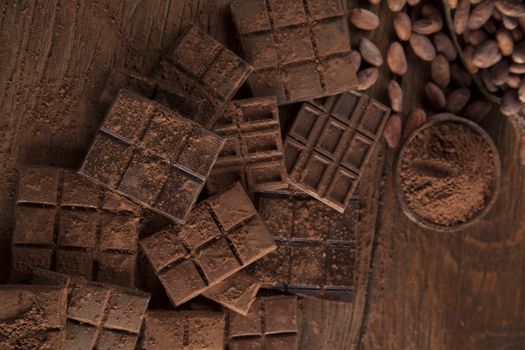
[(447, 173)]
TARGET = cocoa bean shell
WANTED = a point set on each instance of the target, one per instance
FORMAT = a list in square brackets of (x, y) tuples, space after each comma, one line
[(477, 110), (480, 14), (445, 46), (459, 75), (457, 100), (370, 52), (396, 59), (486, 55), (505, 42), (435, 96), (512, 8), (440, 71), (396, 5), (461, 16), (392, 131), (414, 121), (402, 26), (422, 47), (395, 96), (366, 78), (364, 19)]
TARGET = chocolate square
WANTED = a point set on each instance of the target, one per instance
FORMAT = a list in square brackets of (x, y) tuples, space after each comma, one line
[(80, 336), (118, 232), (330, 36), (307, 265), (216, 260), (38, 185), (110, 339), (224, 176), (236, 292), (77, 228), (302, 80), (247, 325), (182, 281), (77, 191), (74, 262), (247, 344), (232, 207), (282, 342), (255, 16), (163, 248), (200, 152), (212, 323), (87, 304), (117, 268), (278, 214), (280, 315), (125, 311), (261, 50), (341, 262), (34, 225), (273, 269), (267, 81), (199, 229), (166, 136), (298, 45), (25, 259), (164, 330), (288, 12), (320, 9), (251, 241)]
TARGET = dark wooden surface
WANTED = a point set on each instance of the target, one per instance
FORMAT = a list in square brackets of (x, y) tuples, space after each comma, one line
[(426, 290)]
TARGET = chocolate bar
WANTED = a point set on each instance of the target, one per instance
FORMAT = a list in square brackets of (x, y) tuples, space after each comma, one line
[(330, 143), (299, 49), (32, 317), (223, 234), (152, 155), (201, 67), (253, 151), (65, 222), (270, 324), (236, 293), (316, 247), (184, 330), (99, 316)]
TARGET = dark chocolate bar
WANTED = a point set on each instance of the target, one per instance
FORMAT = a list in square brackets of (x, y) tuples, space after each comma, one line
[(330, 143), (152, 155), (195, 330), (300, 49), (253, 151), (32, 317), (99, 316), (223, 234), (65, 222), (270, 324), (201, 67), (316, 247)]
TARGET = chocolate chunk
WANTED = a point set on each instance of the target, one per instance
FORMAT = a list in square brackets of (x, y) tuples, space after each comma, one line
[(184, 330), (223, 234), (201, 67), (253, 151), (270, 324), (236, 293), (316, 247), (152, 155), (99, 316), (32, 317), (299, 50), (330, 143), (81, 231)]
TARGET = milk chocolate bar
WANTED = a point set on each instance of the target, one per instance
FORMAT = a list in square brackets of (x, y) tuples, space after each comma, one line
[(152, 155), (99, 316), (316, 247), (236, 293), (223, 234), (253, 151), (270, 324), (201, 67), (65, 222), (32, 317), (193, 330), (299, 49), (330, 144)]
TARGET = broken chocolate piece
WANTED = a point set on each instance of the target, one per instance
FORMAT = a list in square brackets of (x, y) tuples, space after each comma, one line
[(201, 67), (299, 49), (316, 247), (236, 293), (193, 330), (223, 234), (253, 151), (330, 144), (152, 155), (32, 317), (65, 222), (270, 324)]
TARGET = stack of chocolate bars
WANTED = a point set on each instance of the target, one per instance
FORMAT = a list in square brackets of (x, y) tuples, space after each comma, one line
[(248, 207)]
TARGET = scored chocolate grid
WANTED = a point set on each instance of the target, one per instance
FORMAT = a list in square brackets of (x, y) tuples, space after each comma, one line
[(268, 25), (253, 152), (34, 254), (331, 142)]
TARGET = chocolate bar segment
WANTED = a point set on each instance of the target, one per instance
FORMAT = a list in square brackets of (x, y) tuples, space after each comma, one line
[(270, 324), (330, 144), (223, 234), (80, 231), (299, 49), (99, 316), (152, 155), (184, 330), (32, 317), (253, 152), (316, 247), (201, 67)]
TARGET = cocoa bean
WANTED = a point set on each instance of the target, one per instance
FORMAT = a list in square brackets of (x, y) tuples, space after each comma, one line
[(510, 104), (428, 11), (453, 4), (480, 14), (355, 59), (413, 2), (517, 68), (426, 26), (364, 19), (374, 2), (457, 100), (435, 96), (521, 91), (440, 71), (518, 55), (505, 42), (396, 59), (510, 23), (392, 131), (460, 76), (487, 81), (475, 37), (468, 54), (370, 52), (497, 15), (514, 81), (517, 35), (477, 110), (366, 78), (512, 8), (422, 47), (490, 27), (461, 16), (396, 5), (402, 26), (395, 95), (500, 73), (486, 55), (445, 46), (414, 120)]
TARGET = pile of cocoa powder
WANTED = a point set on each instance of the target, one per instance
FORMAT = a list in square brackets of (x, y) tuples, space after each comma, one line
[(447, 173)]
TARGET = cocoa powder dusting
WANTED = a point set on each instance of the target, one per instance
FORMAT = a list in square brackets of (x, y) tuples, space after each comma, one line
[(447, 174)]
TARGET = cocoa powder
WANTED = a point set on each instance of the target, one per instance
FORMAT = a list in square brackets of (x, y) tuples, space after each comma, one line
[(447, 173)]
